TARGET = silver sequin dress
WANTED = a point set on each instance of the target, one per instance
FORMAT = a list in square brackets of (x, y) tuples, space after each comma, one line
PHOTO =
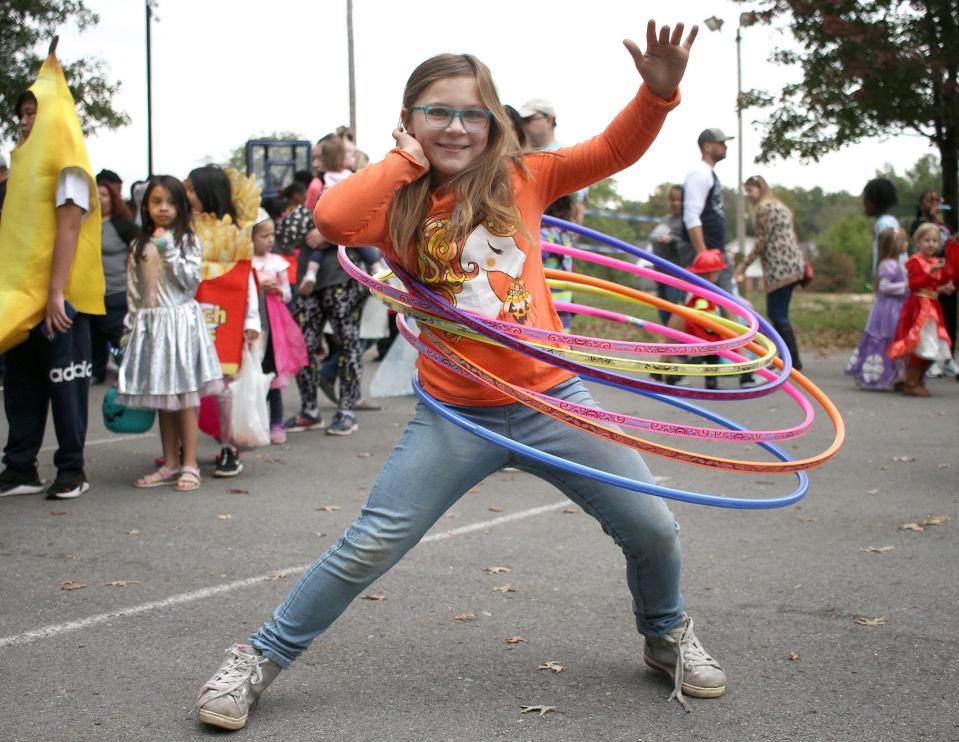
[(169, 362)]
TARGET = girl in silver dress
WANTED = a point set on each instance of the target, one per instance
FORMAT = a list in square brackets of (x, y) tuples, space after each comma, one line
[(169, 362)]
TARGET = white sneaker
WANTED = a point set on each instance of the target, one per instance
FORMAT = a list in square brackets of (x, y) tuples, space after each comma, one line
[(681, 657), (934, 371), (949, 368), (226, 699)]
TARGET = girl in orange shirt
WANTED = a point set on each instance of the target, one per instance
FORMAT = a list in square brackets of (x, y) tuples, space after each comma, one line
[(458, 204)]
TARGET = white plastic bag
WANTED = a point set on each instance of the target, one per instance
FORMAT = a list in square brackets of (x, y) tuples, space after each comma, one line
[(249, 414)]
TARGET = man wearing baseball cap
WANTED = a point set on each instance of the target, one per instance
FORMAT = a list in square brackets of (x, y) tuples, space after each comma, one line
[(539, 123), (703, 216)]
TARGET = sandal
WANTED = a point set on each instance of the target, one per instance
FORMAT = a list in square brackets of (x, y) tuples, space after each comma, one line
[(189, 479), (159, 478)]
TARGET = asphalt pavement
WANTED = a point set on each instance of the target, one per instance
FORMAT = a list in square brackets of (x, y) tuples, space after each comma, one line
[(835, 618)]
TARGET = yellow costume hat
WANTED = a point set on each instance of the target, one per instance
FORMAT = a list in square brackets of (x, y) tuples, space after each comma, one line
[(29, 223)]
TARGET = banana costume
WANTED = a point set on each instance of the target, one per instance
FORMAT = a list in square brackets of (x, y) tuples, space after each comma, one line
[(29, 223)]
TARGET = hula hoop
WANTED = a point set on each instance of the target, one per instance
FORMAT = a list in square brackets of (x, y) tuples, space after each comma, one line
[(419, 299), (443, 355)]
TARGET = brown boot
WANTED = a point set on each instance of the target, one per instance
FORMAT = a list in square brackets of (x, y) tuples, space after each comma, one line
[(915, 369)]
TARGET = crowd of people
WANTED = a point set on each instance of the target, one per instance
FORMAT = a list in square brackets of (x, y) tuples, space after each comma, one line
[(910, 335)]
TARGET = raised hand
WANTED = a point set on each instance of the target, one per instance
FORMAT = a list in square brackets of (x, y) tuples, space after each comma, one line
[(664, 62), (408, 144)]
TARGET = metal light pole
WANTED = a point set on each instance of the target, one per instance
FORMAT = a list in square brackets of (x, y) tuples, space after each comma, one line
[(716, 24), (149, 9), (745, 19), (349, 45)]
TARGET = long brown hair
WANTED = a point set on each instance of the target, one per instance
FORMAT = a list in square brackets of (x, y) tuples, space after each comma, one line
[(483, 189), (118, 207), (765, 194)]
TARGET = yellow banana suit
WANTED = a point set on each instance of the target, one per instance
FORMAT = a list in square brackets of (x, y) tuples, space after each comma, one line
[(29, 223)]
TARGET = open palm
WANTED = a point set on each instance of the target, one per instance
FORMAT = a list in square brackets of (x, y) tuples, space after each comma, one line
[(664, 62)]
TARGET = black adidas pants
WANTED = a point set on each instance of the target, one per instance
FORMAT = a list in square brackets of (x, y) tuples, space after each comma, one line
[(41, 374)]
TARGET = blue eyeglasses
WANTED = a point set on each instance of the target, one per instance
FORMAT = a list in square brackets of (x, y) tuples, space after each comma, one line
[(440, 117)]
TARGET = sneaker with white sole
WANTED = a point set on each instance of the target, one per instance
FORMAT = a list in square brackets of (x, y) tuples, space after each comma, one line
[(69, 484), (949, 368), (679, 655), (20, 482), (226, 699), (344, 423), (304, 421), (228, 464)]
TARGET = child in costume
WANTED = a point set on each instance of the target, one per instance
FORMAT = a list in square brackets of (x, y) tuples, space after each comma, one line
[(921, 336), (284, 352), (869, 365), (215, 211), (169, 362), (708, 264), (458, 192), (51, 281)]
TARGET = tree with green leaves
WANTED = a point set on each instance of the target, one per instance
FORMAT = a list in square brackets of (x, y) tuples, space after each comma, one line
[(28, 26), (870, 68)]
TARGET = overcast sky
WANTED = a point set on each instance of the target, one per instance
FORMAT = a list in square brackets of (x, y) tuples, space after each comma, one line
[(225, 71)]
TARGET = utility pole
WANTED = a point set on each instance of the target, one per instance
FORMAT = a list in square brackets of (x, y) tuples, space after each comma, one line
[(149, 10), (349, 45)]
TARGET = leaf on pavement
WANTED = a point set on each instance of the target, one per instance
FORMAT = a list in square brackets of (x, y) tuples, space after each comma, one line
[(58, 512), (496, 570), (70, 585), (238, 491), (904, 459), (122, 583), (464, 617), (507, 588), (793, 656), (278, 575), (879, 549), (373, 596), (451, 516), (515, 640), (911, 527), (328, 508), (473, 490), (863, 621), (552, 666), (225, 516), (935, 520), (134, 532), (541, 709), (872, 492), (495, 509), (363, 455), (571, 511)]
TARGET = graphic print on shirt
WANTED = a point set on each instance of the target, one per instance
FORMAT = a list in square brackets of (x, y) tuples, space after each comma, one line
[(483, 275)]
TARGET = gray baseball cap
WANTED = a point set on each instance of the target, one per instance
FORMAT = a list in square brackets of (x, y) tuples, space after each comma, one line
[(713, 135)]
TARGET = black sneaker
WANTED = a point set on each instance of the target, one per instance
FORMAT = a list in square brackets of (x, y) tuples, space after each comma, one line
[(20, 482), (748, 381), (712, 382), (69, 484), (228, 464)]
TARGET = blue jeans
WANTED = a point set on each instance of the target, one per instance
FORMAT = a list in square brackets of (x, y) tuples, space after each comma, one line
[(432, 466), (777, 305)]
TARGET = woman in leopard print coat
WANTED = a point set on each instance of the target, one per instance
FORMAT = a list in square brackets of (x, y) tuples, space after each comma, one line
[(778, 251)]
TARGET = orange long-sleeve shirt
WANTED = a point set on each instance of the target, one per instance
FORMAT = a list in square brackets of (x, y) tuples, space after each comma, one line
[(497, 271)]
